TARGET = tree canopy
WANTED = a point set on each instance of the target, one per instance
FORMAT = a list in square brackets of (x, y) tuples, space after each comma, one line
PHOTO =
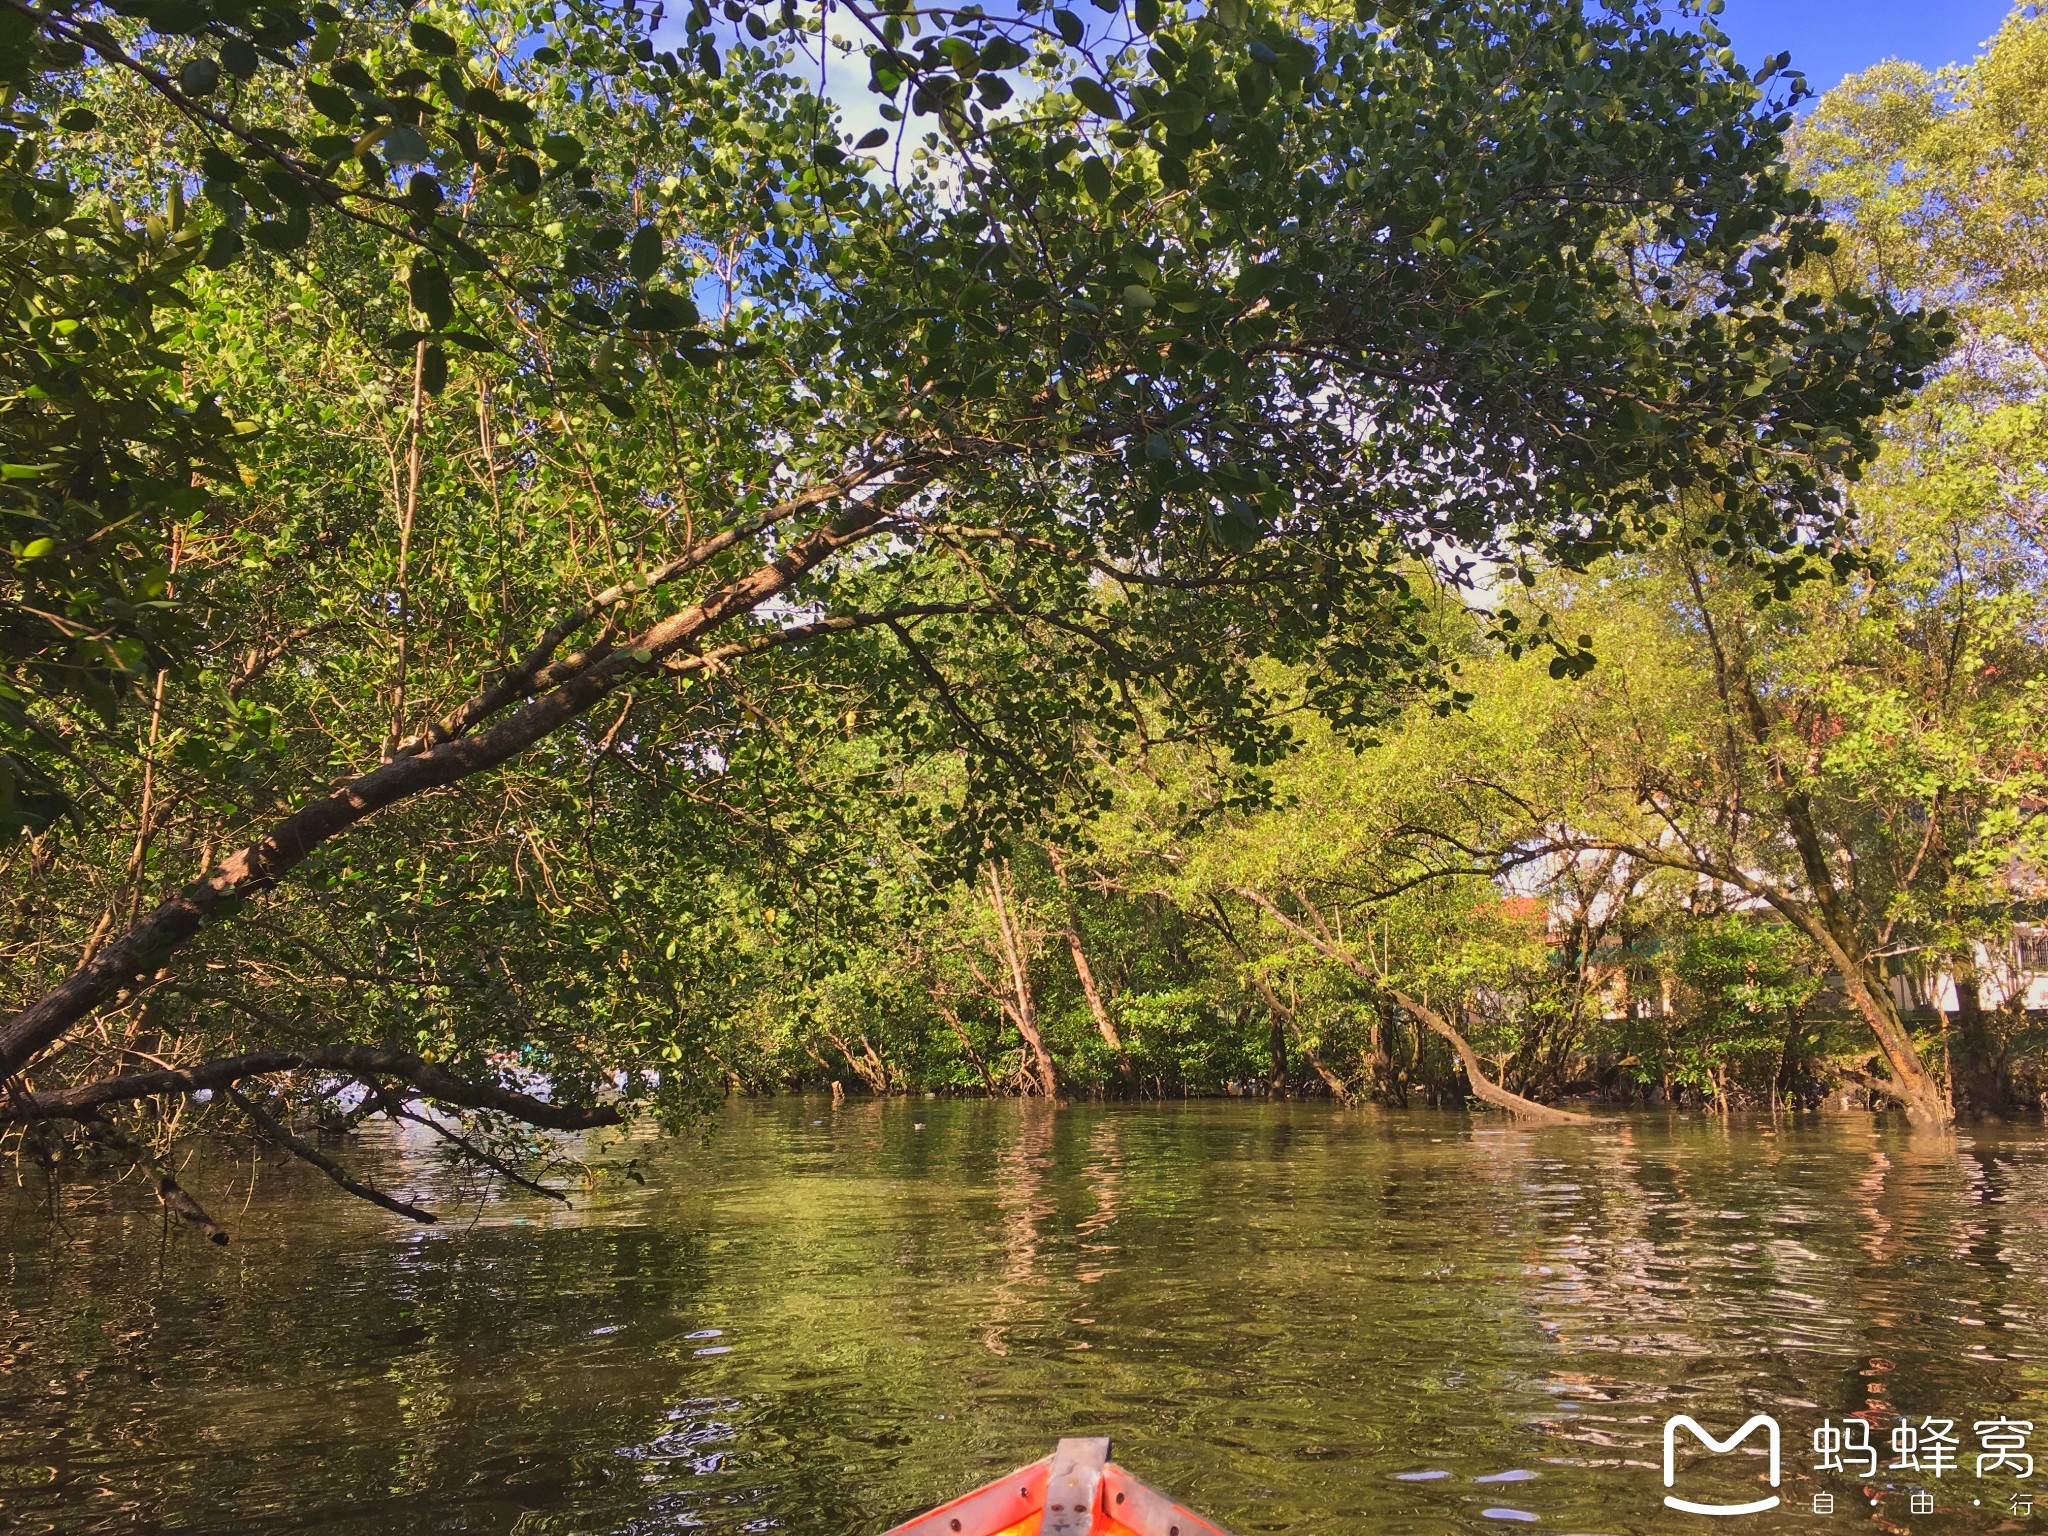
[(515, 519)]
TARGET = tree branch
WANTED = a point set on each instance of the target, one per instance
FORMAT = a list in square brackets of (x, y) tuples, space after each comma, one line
[(85, 1101), (305, 1151), (262, 864), (1482, 1085), (174, 1197), (468, 1148)]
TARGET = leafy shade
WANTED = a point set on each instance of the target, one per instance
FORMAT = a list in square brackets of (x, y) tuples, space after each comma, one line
[(1053, 437)]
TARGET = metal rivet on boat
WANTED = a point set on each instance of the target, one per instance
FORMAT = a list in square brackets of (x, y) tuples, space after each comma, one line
[(956, 1525), (1119, 1498)]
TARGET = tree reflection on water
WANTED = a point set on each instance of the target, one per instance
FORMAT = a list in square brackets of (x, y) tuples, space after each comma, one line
[(1295, 1318)]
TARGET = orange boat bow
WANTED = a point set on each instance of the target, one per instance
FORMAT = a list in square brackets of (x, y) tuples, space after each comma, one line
[(1076, 1491)]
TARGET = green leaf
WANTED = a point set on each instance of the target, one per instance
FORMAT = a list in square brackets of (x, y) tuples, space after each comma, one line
[(239, 58), (1069, 27), (1096, 97), (199, 77), (1146, 14), (217, 165), (35, 549), (1254, 87), (404, 146), (1095, 177), (874, 138), (669, 311), (431, 39), (283, 234), (431, 294), (331, 101), (79, 120), (434, 370), (643, 257), (223, 248), (523, 171)]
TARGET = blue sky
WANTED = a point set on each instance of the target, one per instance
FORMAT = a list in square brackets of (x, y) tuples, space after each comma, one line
[(1832, 38)]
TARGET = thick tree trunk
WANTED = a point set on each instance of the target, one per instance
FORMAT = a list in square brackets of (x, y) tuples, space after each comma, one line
[(1980, 1077), (1791, 1059), (1915, 1089), (1389, 1081), (261, 865)]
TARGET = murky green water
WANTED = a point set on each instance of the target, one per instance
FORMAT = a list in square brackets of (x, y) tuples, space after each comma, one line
[(1296, 1319)]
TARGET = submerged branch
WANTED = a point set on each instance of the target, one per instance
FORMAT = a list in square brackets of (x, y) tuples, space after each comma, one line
[(174, 1197), (85, 1101), (465, 1146), (278, 1134)]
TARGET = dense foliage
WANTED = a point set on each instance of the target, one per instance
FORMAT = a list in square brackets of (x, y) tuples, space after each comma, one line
[(536, 556)]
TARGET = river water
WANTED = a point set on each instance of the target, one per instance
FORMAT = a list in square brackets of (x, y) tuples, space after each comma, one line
[(1294, 1318)]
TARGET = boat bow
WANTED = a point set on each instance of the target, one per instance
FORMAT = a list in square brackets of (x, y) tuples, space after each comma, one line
[(1076, 1491)]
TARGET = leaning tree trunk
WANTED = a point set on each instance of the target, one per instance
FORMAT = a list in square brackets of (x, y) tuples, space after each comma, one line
[(1097, 1009), (1830, 920), (1023, 1009), (516, 711), (953, 1022), (1085, 974), (1916, 1090), (1279, 1011), (1483, 1087)]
